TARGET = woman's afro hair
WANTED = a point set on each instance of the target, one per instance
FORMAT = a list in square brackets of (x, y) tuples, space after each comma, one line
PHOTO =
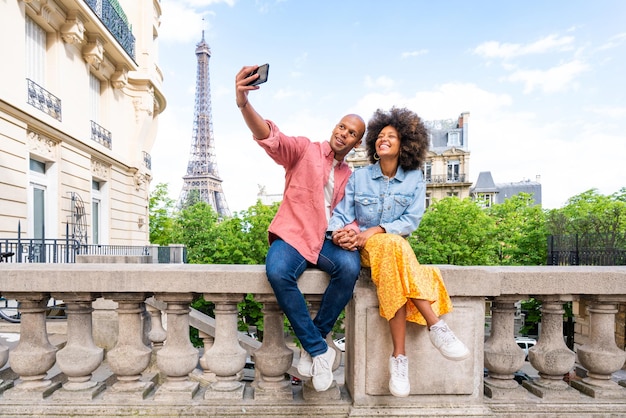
[(413, 136)]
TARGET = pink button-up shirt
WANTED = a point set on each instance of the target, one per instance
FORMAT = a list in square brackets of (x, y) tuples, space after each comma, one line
[(301, 219)]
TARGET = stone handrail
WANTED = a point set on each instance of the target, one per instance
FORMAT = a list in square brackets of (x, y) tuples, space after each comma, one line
[(152, 368)]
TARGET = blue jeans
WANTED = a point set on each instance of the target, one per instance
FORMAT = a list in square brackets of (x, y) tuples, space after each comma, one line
[(284, 265)]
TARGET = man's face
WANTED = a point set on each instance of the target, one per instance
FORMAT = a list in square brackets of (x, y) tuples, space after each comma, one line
[(346, 135)]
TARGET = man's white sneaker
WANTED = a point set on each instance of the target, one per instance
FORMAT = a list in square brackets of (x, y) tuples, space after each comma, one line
[(322, 370), (446, 342), (305, 364), (399, 382)]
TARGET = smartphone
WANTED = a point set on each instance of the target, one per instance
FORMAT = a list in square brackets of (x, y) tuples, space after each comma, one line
[(263, 71)]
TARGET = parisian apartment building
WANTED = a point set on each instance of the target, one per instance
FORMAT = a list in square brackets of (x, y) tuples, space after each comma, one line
[(80, 97)]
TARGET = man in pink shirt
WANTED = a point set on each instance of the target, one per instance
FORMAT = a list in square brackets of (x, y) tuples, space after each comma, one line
[(315, 178)]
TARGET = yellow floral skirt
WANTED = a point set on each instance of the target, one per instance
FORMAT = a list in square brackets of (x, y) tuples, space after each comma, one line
[(398, 277)]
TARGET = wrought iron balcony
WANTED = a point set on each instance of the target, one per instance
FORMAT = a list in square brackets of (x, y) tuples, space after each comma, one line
[(100, 135), (114, 18), (441, 179), (43, 100)]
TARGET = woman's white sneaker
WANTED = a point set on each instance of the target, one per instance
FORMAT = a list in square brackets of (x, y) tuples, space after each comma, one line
[(399, 370), (447, 343)]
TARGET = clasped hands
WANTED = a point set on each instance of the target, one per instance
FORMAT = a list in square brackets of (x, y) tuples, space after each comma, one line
[(348, 239)]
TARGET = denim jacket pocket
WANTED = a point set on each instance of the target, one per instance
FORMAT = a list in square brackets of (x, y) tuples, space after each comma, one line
[(400, 204), (366, 209)]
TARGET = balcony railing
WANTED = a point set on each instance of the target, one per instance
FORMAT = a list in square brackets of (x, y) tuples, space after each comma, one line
[(114, 18), (151, 369), (101, 135), (441, 179), (43, 100), (32, 250)]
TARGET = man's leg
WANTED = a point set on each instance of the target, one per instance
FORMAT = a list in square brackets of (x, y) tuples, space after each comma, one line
[(284, 265), (343, 267)]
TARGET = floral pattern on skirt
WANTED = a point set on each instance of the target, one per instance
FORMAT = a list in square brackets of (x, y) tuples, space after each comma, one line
[(398, 277)]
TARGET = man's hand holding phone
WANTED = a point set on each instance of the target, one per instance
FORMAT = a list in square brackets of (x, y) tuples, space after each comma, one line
[(263, 72)]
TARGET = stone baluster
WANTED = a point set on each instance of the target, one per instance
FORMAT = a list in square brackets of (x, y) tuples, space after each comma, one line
[(273, 359), (207, 377), (308, 391), (226, 358), (601, 356), (80, 356), (551, 356), (131, 355), (34, 356), (503, 356), (178, 357), (156, 335)]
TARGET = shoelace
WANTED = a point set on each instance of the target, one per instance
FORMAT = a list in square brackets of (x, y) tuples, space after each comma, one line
[(397, 370), (445, 334), (318, 362)]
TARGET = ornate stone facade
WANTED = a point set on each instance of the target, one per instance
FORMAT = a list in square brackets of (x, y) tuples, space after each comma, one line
[(61, 106)]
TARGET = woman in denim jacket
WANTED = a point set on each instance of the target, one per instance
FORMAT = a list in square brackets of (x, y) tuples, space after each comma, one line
[(386, 199)]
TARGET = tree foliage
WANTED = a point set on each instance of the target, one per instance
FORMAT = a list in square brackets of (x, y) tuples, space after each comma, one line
[(520, 231), (593, 214), (161, 213), (454, 231)]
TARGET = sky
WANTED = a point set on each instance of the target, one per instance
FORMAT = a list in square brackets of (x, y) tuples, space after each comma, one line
[(543, 82)]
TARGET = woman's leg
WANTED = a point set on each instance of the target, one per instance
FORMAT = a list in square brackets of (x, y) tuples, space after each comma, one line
[(397, 326), (425, 308)]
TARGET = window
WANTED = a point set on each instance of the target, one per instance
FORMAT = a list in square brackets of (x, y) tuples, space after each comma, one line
[(453, 170), (428, 171), (99, 218), (42, 200), (95, 212), (94, 97), (487, 200), (35, 52), (453, 139), (428, 199)]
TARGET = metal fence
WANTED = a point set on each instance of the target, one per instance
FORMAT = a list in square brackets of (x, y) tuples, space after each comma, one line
[(31, 250), (587, 250)]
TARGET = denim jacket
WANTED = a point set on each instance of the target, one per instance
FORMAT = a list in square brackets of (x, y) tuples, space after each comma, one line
[(372, 199)]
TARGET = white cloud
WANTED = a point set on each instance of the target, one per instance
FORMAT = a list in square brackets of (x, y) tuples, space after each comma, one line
[(414, 53), (181, 23), (559, 78), (495, 49), (380, 82), (613, 112), (615, 41)]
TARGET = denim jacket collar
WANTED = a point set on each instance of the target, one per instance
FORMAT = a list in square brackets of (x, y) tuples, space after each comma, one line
[(377, 172)]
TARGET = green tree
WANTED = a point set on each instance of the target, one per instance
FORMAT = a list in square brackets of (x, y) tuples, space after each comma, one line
[(196, 228), (592, 214), (161, 216), (520, 231), (455, 231)]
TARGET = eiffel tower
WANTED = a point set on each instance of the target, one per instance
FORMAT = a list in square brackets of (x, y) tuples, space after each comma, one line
[(202, 181)]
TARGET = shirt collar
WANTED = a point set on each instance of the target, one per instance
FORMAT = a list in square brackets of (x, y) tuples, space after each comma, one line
[(328, 152)]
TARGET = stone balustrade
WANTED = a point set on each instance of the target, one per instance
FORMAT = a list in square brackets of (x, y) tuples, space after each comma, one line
[(152, 369)]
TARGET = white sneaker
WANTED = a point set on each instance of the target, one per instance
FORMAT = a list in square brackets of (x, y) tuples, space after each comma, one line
[(399, 382), (305, 364), (446, 342), (322, 370)]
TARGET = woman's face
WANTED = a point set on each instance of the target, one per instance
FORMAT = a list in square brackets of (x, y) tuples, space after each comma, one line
[(388, 143)]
